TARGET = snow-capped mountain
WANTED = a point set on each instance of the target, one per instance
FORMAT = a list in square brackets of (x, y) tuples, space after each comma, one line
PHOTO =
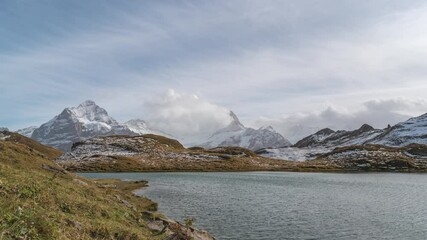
[(322, 142), (141, 127), (27, 132), (138, 126), (315, 138), (328, 138), (3, 129), (411, 131), (296, 132), (78, 123), (236, 134)]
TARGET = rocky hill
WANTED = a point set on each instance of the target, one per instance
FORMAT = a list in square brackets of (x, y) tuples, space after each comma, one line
[(157, 153), (378, 158), (236, 134)]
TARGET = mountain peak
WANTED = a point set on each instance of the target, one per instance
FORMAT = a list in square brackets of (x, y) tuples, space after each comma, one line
[(235, 124), (85, 121), (87, 103), (236, 134), (234, 118), (325, 131), (268, 128), (366, 128), (136, 121)]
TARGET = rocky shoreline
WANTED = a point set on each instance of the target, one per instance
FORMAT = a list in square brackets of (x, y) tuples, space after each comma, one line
[(157, 222)]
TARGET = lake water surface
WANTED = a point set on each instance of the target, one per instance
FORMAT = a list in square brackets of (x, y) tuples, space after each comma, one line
[(272, 205)]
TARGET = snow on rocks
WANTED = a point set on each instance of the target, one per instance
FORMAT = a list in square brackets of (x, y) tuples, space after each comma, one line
[(237, 135)]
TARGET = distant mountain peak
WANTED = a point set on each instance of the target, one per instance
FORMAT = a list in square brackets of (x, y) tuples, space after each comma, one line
[(138, 126), (325, 131), (77, 123), (234, 126), (137, 121), (87, 103), (90, 111), (28, 131), (366, 128), (235, 123), (236, 134), (328, 138), (268, 128), (234, 117)]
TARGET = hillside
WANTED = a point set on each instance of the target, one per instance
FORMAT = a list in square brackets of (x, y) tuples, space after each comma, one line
[(40, 200), (150, 153), (157, 153), (411, 158), (414, 130), (328, 138), (322, 142)]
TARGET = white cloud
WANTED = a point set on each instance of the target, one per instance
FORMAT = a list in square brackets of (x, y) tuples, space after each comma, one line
[(378, 113), (259, 59), (186, 116)]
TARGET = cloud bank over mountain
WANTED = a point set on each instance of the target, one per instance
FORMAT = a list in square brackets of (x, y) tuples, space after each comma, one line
[(186, 116), (378, 113)]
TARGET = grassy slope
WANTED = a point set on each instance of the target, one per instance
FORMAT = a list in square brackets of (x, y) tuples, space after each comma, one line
[(36, 203)]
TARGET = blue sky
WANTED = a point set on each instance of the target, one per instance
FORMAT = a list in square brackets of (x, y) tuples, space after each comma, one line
[(290, 64)]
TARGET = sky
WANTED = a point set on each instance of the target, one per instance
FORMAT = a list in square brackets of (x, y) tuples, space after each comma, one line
[(182, 65)]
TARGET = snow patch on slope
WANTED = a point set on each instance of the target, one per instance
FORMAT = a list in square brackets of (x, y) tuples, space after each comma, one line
[(411, 131)]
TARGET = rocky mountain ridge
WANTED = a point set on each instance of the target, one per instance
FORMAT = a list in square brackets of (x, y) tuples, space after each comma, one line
[(328, 138), (412, 131)]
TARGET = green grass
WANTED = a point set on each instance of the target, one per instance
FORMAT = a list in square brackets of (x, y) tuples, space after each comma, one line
[(36, 203)]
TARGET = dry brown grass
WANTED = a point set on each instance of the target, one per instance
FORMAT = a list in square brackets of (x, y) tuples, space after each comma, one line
[(36, 203)]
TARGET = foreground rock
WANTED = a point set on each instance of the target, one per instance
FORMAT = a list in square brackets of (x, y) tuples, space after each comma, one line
[(175, 230)]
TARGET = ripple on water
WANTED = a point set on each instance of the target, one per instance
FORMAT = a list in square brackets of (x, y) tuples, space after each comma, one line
[(293, 205)]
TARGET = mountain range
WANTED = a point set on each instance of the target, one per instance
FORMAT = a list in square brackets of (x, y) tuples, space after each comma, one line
[(88, 120), (85, 121), (412, 131)]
